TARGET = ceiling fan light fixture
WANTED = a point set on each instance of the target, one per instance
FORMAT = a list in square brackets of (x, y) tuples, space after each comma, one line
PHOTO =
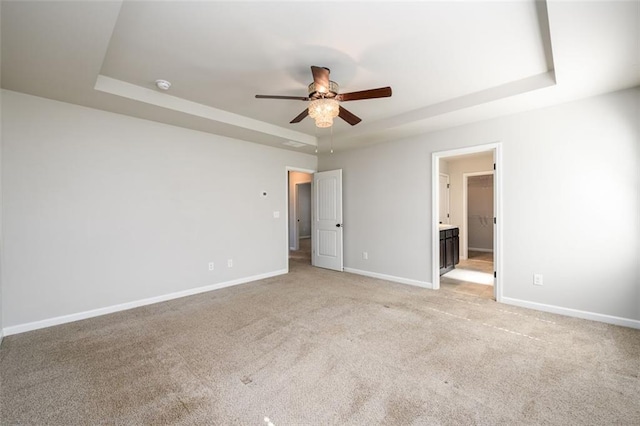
[(323, 111), (325, 99)]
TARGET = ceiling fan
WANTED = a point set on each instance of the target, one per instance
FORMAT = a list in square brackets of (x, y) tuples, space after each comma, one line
[(325, 99)]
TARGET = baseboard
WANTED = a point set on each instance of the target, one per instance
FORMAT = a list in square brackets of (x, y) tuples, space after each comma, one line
[(22, 328), (593, 316), (400, 280), (480, 249)]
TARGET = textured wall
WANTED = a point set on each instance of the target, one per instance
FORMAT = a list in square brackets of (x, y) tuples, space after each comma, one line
[(102, 209), (564, 168)]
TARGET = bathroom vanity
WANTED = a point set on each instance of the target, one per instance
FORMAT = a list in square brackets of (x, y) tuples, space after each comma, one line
[(449, 248)]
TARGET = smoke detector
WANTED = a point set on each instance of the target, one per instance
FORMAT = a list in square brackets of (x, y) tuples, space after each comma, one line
[(163, 84)]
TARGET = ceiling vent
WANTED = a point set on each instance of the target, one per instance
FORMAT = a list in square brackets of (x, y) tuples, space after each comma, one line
[(294, 144)]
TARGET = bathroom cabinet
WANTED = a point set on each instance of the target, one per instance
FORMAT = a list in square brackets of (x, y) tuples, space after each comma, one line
[(449, 248)]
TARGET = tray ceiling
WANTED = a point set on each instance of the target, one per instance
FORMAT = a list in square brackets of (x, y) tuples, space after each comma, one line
[(449, 63)]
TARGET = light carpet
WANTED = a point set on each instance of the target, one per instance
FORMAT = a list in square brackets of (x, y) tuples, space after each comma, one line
[(321, 347)]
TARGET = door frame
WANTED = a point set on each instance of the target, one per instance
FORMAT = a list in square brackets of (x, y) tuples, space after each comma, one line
[(286, 209), (464, 254), (496, 148)]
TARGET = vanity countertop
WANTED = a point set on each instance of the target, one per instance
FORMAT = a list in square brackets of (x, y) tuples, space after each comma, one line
[(445, 226)]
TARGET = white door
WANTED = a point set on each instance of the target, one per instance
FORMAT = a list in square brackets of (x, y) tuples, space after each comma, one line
[(494, 227), (327, 220), (444, 199)]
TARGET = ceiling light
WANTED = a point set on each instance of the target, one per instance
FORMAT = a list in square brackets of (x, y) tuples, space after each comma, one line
[(324, 111), (163, 84)]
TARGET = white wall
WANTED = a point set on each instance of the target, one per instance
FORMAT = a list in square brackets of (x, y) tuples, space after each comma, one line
[(566, 169), (386, 208), (102, 209)]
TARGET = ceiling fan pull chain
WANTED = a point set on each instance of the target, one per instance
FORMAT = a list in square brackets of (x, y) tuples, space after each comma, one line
[(332, 139)]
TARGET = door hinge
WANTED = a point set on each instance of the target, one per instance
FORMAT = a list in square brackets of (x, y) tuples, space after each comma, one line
[(495, 274), (447, 214), (494, 221), (448, 186), (494, 166)]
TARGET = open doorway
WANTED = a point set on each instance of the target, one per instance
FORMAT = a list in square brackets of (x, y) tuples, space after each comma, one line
[(299, 209), (474, 272), (477, 211), (466, 245)]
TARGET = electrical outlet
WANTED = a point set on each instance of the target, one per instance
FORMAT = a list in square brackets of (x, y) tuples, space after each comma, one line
[(365, 255), (211, 266), (537, 279), (230, 263)]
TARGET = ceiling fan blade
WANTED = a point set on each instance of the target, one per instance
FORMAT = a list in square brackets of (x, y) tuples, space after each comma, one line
[(382, 92), (321, 78), (295, 98), (349, 117), (301, 116)]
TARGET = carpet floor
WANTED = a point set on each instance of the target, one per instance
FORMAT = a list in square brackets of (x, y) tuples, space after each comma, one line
[(320, 347)]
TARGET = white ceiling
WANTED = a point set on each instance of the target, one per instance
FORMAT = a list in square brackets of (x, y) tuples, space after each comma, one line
[(448, 63)]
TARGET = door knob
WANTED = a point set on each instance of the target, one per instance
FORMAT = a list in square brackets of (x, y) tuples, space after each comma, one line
[(338, 225)]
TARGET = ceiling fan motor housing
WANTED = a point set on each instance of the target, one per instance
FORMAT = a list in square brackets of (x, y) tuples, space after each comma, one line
[(317, 92)]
